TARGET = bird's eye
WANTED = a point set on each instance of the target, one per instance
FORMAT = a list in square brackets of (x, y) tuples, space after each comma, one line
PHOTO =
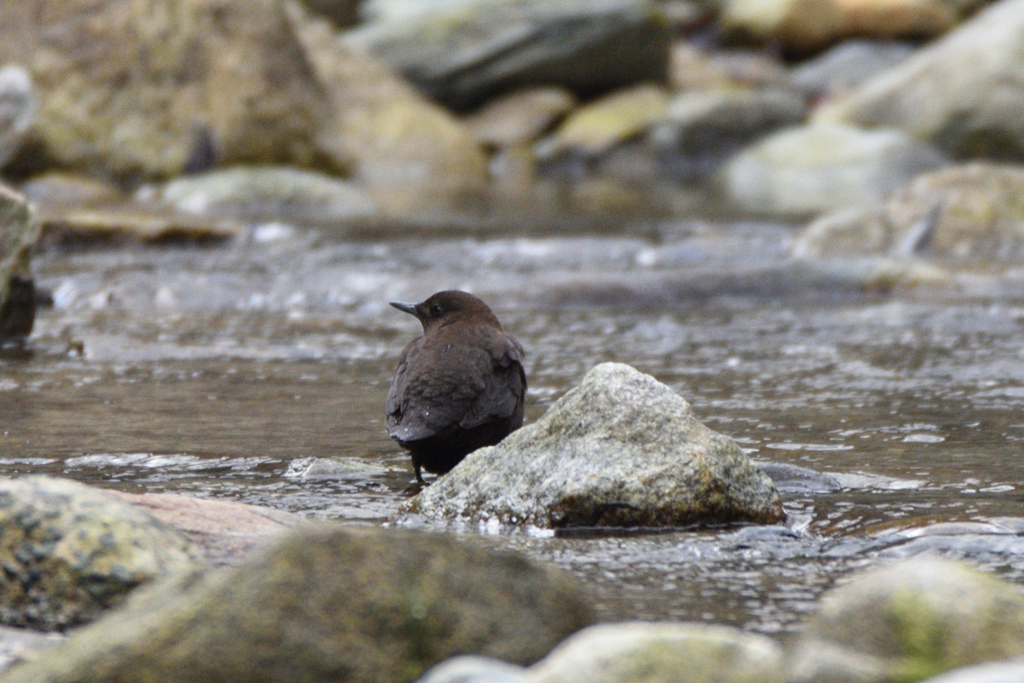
[(436, 310)]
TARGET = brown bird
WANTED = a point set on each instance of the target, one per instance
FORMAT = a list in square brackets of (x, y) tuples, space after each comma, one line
[(457, 388)]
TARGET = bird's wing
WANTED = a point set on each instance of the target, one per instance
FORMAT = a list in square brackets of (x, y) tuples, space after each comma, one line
[(503, 389)]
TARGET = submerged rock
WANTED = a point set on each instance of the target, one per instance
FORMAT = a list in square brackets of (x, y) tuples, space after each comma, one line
[(17, 109), (622, 450), (70, 552), (18, 235), (817, 168), (969, 215), (962, 92), (907, 622), (324, 605), (641, 652), (464, 54), (281, 192)]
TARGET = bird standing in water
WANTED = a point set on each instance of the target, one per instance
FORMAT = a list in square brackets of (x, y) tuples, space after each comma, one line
[(459, 387)]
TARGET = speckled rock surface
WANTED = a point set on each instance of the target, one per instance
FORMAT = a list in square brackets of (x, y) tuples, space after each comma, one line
[(621, 449), (907, 622), (18, 235), (324, 605), (666, 652), (69, 552)]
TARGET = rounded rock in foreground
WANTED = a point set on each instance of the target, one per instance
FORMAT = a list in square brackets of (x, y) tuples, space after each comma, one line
[(69, 552), (910, 621), (619, 450)]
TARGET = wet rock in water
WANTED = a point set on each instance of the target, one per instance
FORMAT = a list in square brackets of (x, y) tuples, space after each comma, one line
[(909, 621), (794, 479), (521, 117), (1009, 671), (968, 215), (327, 604), (128, 225), (704, 128), (961, 92), (599, 126), (824, 167), (409, 154), (471, 669), (17, 109), (224, 531), (847, 65), (638, 652), (70, 552), (255, 192), (465, 54), (803, 26), (19, 233), (620, 450)]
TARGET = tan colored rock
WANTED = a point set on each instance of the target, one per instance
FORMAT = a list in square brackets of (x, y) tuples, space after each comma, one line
[(126, 225), (803, 26), (520, 117), (410, 154), (597, 127), (57, 188)]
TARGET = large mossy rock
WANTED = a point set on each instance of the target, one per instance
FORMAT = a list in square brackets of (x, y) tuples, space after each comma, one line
[(18, 235), (907, 622), (963, 93), (652, 652), (464, 54), (327, 605), (621, 450), (967, 216), (817, 168), (69, 552)]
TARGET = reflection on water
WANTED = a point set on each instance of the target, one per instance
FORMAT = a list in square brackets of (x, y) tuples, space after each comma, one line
[(258, 372)]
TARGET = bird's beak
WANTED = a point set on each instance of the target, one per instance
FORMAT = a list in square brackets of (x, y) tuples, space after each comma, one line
[(407, 308)]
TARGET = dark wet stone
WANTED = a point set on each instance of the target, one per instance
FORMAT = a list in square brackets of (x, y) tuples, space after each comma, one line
[(619, 450), (463, 55), (795, 479), (18, 236), (69, 552), (327, 604), (907, 622)]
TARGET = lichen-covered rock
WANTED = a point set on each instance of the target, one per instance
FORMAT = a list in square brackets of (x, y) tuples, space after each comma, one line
[(962, 93), (17, 109), (69, 552), (464, 54), (907, 622), (265, 191), (323, 605), (970, 216), (18, 235), (652, 652), (824, 167), (621, 449)]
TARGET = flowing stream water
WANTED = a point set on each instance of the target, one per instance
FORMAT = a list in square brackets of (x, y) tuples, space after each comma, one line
[(257, 370)]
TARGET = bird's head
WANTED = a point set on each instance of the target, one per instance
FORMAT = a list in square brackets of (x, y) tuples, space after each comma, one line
[(445, 308)]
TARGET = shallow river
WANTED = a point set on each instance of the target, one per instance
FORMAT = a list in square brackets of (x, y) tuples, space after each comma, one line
[(257, 371)]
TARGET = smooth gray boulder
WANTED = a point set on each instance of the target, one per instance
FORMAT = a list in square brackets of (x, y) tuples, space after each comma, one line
[(909, 621), (464, 54), (323, 605), (703, 128), (619, 450), (847, 65), (824, 167), (1010, 671), (473, 669), (267, 191), (70, 552), (963, 93), (665, 652), (17, 109), (18, 236)]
